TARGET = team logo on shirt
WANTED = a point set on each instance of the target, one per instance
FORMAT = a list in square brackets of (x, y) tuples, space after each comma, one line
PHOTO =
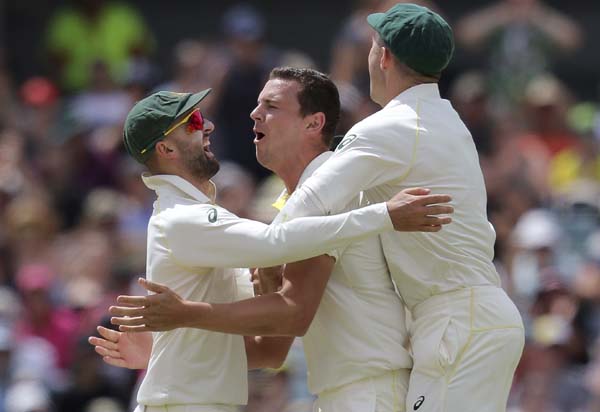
[(418, 403), (212, 215), (346, 141)]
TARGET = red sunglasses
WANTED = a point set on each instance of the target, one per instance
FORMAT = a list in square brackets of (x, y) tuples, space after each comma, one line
[(194, 120)]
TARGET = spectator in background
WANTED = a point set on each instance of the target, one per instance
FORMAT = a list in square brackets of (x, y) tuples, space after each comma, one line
[(89, 384), (470, 98), (553, 363), (43, 317), (6, 347), (353, 42), (40, 104), (197, 66), (534, 243), (88, 31), (28, 396), (103, 102), (8, 102), (31, 225), (250, 60), (520, 37)]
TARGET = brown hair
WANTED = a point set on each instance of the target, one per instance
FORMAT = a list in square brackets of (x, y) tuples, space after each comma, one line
[(318, 94)]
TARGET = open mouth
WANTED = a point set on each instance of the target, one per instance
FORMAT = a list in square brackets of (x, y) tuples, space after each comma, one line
[(259, 136)]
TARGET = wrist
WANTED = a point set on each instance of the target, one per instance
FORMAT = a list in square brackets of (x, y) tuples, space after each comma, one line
[(194, 315)]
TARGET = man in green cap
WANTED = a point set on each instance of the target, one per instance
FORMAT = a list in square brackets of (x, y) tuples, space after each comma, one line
[(191, 241), (467, 335)]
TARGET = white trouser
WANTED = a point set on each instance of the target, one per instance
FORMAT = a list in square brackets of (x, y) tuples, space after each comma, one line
[(466, 345), (187, 408), (383, 393)]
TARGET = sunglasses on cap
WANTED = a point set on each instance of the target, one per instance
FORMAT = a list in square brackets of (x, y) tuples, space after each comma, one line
[(194, 121)]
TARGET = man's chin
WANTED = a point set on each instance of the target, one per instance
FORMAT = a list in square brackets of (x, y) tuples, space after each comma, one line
[(212, 168)]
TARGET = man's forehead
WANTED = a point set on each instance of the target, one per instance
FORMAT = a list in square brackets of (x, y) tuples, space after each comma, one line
[(279, 89)]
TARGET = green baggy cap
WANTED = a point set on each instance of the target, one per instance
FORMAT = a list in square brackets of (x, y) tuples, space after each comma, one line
[(152, 116), (417, 36)]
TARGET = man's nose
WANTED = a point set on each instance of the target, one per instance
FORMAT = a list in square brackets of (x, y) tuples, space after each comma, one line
[(209, 126), (255, 114)]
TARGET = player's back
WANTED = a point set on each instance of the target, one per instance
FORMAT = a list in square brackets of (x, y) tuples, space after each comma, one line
[(438, 153)]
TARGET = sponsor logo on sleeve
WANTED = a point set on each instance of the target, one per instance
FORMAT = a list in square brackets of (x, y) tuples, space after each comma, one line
[(346, 141)]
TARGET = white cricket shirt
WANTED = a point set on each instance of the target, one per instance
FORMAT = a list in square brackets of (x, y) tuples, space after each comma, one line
[(191, 242), (417, 139), (359, 328)]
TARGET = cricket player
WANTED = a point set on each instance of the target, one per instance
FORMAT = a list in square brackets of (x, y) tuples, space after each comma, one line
[(191, 242), (467, 335)]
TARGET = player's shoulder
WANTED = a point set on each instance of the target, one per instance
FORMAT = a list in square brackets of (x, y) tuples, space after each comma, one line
[(386, 121), (190, 213)]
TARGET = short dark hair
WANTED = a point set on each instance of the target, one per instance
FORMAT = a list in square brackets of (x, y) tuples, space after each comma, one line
[(318, 94)]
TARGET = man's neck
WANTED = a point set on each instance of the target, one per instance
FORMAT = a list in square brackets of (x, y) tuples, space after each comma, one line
[(395, 87), (292, 171), (205, 185)]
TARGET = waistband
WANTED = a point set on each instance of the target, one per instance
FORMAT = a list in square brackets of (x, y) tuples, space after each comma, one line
[(392, 376), (187, 408), (455, 297)]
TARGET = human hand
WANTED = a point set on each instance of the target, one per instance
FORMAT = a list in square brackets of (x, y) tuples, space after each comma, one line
[(270, 279), (124, 350), (415, 210), (162, 311)]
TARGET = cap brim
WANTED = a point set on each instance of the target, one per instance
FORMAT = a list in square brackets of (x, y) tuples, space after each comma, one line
[(193, 101), (374, 19)]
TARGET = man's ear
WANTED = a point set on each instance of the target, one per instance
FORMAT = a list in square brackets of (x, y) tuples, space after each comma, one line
[(386, 59), (164, 149), (316, 122)]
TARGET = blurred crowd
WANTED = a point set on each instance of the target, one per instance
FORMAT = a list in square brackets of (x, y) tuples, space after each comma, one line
[(74, 211)]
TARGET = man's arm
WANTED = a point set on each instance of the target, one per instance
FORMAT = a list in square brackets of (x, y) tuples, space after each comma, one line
[(363, 160), (132, 350), (228, 241), (267, 351), (288, 312)]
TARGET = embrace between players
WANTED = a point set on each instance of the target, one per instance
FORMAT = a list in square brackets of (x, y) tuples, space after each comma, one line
[(354, 224)]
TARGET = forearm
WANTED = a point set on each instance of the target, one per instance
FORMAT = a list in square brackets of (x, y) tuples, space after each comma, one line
[(475, 29), (560, 29), (296, 240), (235, 242), (267, 352), (267, 315)]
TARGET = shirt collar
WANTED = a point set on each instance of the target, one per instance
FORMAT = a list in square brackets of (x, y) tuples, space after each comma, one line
[(421, 91), (313, 166), (308, 171), (163, 183)]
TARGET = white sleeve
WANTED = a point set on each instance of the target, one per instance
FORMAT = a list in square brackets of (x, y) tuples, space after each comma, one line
[(230, 241), (245, 289), (359, 163)]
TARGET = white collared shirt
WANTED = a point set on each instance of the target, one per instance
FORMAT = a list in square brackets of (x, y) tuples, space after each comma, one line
[(191, 243), (359, 328), (416, 140)]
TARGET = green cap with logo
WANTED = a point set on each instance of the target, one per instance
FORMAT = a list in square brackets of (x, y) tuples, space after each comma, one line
[(417, 36), (152, 116)]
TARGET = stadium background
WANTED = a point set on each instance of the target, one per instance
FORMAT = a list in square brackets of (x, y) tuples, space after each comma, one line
[(73, 211)]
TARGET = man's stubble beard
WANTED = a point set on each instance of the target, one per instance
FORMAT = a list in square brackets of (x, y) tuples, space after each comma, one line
[(201, 166)]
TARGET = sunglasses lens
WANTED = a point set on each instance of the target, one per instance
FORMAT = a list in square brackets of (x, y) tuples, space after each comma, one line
[(196, 121)]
